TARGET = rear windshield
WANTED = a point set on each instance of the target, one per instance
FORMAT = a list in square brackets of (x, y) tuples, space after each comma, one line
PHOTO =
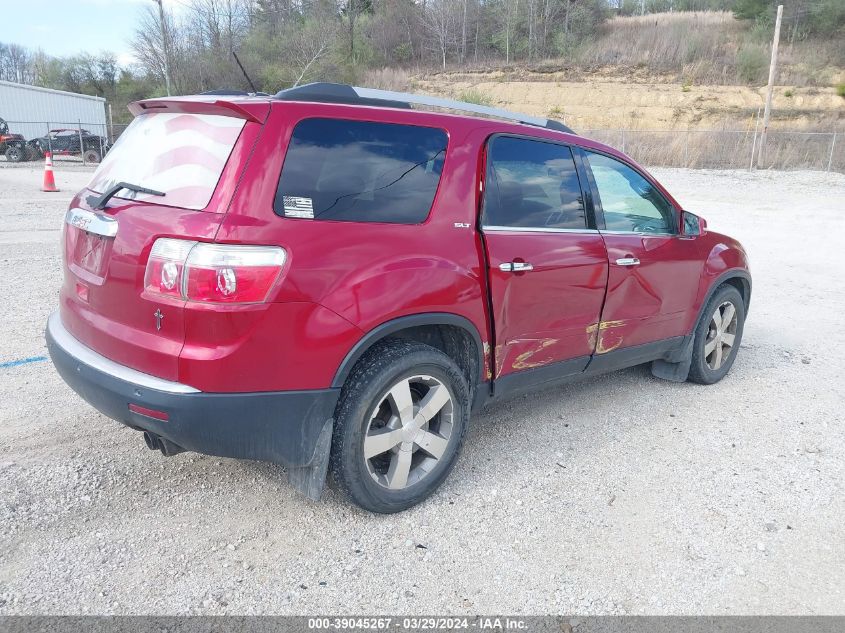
[(181, 155), (361, 171)]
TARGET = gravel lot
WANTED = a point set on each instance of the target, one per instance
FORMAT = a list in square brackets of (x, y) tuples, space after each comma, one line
[(625, 494)]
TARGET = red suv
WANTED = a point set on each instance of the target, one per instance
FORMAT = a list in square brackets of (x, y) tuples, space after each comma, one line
[(331, 280)]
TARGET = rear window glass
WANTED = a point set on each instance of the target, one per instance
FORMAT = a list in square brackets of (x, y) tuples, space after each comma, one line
[(182, 155), (360, 171)]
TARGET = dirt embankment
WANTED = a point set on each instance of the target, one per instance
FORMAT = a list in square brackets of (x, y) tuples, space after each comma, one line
[(603, 101)]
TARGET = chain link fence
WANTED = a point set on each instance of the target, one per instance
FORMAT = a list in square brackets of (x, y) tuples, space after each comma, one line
[(697, 149), (728, 149), (77, 141)]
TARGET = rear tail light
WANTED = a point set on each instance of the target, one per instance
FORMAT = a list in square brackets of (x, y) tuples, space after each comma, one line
[(213, 273), (165, 266)]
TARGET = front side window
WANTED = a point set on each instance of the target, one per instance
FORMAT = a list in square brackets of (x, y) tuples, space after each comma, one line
[(532, 184), (629, 201), (360, 171)]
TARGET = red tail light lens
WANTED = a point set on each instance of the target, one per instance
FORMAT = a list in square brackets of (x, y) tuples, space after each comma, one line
[(165, 266), (232, 274), (213, 273)]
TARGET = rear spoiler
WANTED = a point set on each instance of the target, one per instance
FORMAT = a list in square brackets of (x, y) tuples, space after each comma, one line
[(256, 111)]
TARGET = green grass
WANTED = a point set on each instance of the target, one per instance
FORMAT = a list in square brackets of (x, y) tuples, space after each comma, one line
[(475, 96), (840, 89), (751, 62)]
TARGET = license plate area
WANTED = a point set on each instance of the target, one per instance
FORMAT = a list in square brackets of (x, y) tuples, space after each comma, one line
[(88, 242), (90, 253)]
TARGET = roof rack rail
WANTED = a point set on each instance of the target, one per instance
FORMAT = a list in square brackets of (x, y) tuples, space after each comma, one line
[(226, 92), (325, 92)]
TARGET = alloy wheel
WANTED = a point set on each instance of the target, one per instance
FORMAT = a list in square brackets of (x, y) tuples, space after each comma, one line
[(409, 431), (720, 336)]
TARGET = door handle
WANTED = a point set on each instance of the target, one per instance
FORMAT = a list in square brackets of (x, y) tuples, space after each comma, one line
[(627, 261), (515, 267)]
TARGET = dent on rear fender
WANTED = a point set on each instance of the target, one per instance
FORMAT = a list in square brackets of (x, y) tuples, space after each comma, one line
[(284, 347), (367, 297)]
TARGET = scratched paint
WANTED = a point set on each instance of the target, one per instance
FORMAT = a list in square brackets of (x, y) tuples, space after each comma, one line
[(22, 361), (604, 336), (527, 360), (500, 359), (488, 370)]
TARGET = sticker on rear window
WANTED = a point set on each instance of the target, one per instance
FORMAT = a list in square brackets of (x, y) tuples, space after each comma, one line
[(298, 207)]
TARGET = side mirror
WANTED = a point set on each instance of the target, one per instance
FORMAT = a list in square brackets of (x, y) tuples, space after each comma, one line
[(693, 225)]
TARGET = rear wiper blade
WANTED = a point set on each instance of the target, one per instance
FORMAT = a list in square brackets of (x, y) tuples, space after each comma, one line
[(100, 203)]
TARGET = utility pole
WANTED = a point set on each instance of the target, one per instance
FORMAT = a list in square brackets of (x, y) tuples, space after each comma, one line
[(166, 47), (772, 68)]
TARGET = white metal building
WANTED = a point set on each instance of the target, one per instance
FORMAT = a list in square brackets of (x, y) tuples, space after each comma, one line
[(32, 111)]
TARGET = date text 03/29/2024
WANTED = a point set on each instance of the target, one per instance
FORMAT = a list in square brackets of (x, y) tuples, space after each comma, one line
[(418, 624)]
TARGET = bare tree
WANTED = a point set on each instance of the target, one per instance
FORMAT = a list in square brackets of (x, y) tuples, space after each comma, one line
[(508, 11), (440, 20), (291, 41), (148, 44), (15, 63), (351, 10), (309, 44)]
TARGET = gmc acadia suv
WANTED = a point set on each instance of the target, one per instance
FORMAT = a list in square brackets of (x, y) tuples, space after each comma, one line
[(331, 280)]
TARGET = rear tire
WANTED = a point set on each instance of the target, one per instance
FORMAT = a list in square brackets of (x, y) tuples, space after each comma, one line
[(91, 156), (718, 336), (399, 426)]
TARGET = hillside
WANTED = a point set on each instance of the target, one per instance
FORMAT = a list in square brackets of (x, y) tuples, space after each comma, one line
[(665, 71), (608, 101)]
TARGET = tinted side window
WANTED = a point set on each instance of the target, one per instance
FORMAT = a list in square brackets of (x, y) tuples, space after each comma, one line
[(629, 201), (360, 171), (532, 184)]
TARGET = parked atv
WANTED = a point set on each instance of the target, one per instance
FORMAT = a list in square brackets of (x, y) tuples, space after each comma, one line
[(13, 146), (66, 142)]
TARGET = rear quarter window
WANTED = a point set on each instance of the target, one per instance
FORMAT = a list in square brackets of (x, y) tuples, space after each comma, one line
[(360, 171)]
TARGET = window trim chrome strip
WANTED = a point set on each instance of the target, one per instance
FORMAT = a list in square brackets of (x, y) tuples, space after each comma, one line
[(92, 222), (526, 229), (643, 233), (85, 355)]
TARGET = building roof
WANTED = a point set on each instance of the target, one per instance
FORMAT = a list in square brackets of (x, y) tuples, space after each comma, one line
[(12, 84)]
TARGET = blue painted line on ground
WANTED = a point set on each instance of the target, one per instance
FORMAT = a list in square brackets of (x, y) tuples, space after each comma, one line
[(23, 361)]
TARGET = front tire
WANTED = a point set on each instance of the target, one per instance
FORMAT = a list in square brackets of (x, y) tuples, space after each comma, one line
[(718, 336), (399, 426), (14, 154)]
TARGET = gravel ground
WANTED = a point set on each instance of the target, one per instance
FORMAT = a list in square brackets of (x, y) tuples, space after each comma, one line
[(625, 494)]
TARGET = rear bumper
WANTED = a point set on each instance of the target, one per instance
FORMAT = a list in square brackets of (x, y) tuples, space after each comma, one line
[(282, 427)]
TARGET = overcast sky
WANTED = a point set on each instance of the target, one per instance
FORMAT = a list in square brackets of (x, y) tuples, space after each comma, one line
[(66, 27)]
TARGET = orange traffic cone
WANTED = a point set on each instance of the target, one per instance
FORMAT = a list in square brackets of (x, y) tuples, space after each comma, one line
[(49, 179)]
